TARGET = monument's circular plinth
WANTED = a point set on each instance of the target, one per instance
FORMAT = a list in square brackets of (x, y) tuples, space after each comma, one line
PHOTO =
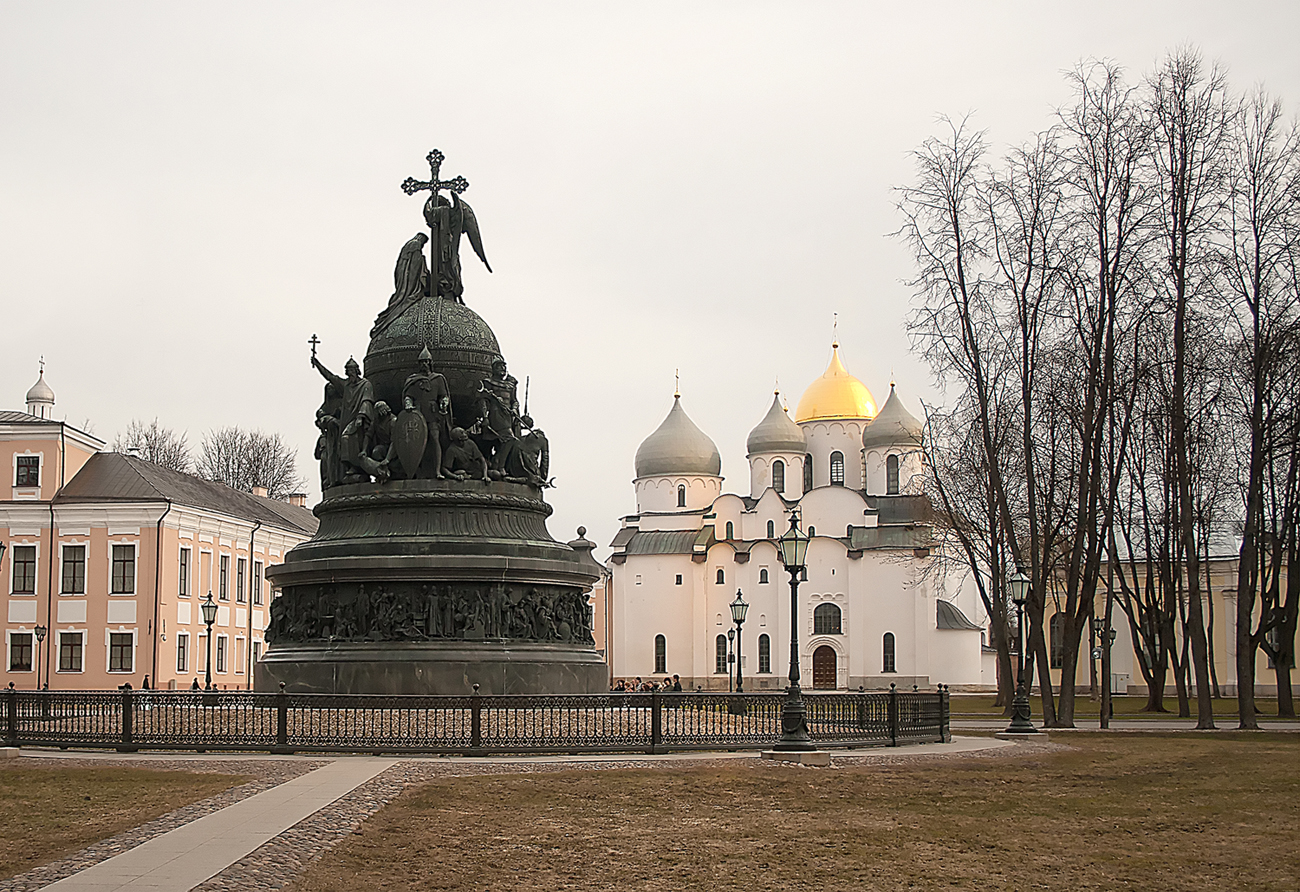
[(434, 667), (432, 586)]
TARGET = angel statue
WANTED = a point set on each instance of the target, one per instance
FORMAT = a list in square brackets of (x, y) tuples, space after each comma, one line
[(448, 220)]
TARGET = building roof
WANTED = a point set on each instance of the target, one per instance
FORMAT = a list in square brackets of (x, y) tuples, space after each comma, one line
[(894, 426), (678, 447), (113, 477), (948, 616), (836, 394), (11, 417), (777, 432)]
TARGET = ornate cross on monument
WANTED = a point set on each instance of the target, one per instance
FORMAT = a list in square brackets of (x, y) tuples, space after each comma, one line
[(314, 341), (411, 185)]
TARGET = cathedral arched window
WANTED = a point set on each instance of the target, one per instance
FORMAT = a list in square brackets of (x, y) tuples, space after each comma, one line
[(764, 653), (762, 576), (887, 663), (661, 654), (891, 475), (826, 620), (778, 475), (720, 654), (681, 496), (731, 530), (771, 529), (1057, 635), (837, 468), (807, 473), (722, 576)]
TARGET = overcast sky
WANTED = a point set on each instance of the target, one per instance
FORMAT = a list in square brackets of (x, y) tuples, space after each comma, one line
[(188, 191)]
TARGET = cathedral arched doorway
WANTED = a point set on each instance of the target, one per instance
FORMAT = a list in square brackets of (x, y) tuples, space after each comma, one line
[(825, 668)]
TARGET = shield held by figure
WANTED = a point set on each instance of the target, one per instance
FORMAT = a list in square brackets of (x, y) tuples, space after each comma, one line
[(410, 435)]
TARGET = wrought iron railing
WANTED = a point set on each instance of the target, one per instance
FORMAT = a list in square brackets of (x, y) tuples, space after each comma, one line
[(130, 720)]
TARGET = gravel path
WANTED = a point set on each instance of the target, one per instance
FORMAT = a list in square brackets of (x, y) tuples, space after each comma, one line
[(265, 774)]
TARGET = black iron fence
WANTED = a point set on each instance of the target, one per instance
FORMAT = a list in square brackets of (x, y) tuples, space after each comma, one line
[(130, 720)]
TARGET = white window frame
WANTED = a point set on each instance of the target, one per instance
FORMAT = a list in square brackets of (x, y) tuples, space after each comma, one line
[(189, 653), (58, 657), (135, 568), (9, 650), (221, 655), (241, 643), (108, 651), (186, 554), (75, 543), (40, 470), (9, 551)]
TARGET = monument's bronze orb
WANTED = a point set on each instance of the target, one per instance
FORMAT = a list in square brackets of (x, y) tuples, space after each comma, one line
[(462, 344)]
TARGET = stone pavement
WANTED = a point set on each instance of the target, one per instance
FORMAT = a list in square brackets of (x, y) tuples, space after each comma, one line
[(262, 841)]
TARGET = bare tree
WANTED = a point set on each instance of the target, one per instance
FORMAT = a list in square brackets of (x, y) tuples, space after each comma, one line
[(1193, 118), (1264, 233), (244, 459), (155, 443)]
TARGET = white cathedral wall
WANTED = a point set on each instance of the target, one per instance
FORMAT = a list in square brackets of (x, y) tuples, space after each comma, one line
[(760, 473), (825, 437), (909, 469), (659, 493)]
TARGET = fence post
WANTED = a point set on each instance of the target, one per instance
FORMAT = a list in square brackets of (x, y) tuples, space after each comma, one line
[(128, 731), (475, 720), (281, 722), (11, 726), (945, 731), (893, 714), (656, 723)]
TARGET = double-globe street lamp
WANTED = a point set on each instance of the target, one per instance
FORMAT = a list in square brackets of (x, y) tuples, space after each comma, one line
[(1020, 586), (209, 608), (793, 548)]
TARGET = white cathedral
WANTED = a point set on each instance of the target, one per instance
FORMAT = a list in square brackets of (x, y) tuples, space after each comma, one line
[(874, 608)]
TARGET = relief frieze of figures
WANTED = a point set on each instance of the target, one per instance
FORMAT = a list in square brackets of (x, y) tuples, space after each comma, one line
[(409, 611)]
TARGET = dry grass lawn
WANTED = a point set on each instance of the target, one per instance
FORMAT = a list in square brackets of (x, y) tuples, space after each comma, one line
[(49, 811), (1159, 812)]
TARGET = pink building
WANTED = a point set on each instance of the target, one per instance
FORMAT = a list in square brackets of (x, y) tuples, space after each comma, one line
[(105, 558)]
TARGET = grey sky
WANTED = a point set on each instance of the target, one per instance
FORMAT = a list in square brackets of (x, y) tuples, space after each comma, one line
[(189, 191)]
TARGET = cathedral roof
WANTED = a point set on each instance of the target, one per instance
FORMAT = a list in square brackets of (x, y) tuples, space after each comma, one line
[(777, 432), (41, 392), (836, 394), (678, 447), (894, 426)]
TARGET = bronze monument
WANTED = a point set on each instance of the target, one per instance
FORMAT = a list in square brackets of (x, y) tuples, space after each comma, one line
[(432, 570)]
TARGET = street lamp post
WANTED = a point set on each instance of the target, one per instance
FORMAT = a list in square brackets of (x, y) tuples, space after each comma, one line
[(209, 608), (1105, 638), (738, 610), (794, 725), (40, 637), (1019, 585), (731, 660)]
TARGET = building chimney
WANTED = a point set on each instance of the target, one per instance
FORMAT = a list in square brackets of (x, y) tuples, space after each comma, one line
[(298, 499), (261, 492)]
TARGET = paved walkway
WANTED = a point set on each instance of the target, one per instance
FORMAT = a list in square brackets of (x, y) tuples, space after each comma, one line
[(1089, 723), (183, 858)]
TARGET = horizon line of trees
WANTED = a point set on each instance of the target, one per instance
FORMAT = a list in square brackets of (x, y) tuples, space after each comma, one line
[(241, 459), (1113, 308)]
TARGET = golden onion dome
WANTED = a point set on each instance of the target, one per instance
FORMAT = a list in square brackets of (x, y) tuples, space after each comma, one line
[(836, 394)]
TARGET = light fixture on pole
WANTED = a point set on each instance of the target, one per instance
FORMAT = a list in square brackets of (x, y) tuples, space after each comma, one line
[(40, 637), (209, 608), (738, 610), (1019, 586), (731, 660), (793, 547)]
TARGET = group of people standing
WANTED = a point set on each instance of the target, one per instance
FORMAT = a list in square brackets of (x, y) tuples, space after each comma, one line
[(639, 686)]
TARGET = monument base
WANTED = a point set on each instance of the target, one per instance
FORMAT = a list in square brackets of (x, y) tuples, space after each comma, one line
[(452, 667)]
